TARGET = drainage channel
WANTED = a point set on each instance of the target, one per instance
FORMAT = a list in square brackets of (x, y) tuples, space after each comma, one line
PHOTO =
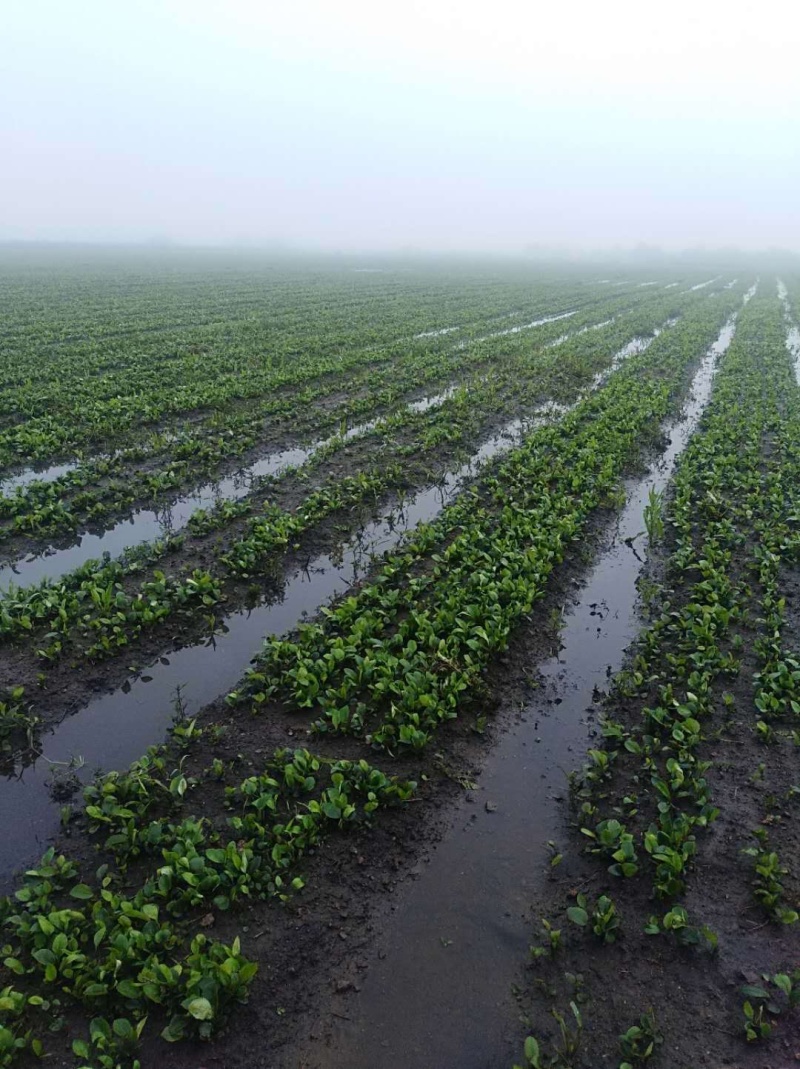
[(117, 728), (439, 993)]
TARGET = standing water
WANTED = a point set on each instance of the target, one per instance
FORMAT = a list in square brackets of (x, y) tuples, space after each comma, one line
[(440, 993), (117, 728), (792, 330)]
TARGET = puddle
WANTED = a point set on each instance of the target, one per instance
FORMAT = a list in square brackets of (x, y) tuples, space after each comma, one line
[(436, 333), (437, 399), (460, 934), (48, 475)]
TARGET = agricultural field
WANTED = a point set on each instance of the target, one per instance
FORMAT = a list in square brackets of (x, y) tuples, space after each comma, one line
[(400, 663)]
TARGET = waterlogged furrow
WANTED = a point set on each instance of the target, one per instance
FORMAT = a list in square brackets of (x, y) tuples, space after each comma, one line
[(213, 366), (684, 748), (24, 608), (114, 728), (10, 484), (528, 326), (792, 330), (395, 660), (118, 955), (46, 508), (148, 525), (120, 401), (475, 890), (95, 490), (702, 285)]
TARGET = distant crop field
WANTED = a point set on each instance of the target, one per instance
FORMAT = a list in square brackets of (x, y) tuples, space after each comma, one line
[(287, 550)]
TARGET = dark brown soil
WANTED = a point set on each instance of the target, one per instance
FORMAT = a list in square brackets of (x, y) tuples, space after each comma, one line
[(694, 992)]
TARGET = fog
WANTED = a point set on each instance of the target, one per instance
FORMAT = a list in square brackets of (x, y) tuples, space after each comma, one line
[(424, 125)]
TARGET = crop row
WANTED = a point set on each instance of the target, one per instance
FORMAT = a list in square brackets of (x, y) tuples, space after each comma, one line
[(119, 957), (112, 612), (157, 469), (397, 658), (712, 681), (120, 945), (256, 357)]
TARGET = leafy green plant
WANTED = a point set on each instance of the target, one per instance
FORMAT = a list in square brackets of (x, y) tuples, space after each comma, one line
[(552, 941), (638, 1044), (602, 917), (653, 514), (676, 920)]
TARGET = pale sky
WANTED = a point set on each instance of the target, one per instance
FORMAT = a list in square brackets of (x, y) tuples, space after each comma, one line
[(424, 123)]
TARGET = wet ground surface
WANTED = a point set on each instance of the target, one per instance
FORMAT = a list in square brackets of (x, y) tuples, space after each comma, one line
[(152, 524), (9, 485), (450, 956), (117, 727), (454, 939)]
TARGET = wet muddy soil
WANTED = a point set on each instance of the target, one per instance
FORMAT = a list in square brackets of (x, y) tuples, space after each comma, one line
[(428, 916), (435, 476)]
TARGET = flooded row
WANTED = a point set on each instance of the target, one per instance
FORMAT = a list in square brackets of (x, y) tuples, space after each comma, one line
[(152, 524), (117, 728), (792, 330), (458, 941), (9, 485), (149, 525)]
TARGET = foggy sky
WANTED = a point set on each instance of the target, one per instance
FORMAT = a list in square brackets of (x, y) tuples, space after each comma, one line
[(429, 124)]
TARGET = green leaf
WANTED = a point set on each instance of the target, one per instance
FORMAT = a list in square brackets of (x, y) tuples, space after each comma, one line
[(782, 981), (532, 1050), (578, 916), (754, 991), (174, 1031), (201, 1009), (82, 891)]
